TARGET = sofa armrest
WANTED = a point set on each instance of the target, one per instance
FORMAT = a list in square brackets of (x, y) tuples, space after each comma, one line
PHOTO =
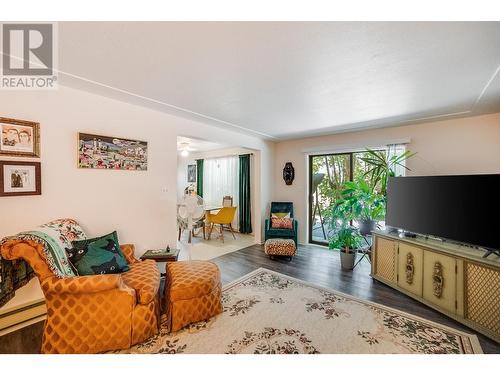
[(81, 284), (129, 252), (32, 252)]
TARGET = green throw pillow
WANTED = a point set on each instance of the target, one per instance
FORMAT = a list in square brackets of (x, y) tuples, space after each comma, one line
[(97, 256), (84, 244)]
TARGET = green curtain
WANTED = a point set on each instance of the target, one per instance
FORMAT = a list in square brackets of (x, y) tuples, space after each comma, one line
[(244, 200), (199, 177)]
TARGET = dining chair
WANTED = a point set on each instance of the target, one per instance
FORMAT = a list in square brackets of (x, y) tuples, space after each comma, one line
[(227, 201), (225, 216), (182, 224)]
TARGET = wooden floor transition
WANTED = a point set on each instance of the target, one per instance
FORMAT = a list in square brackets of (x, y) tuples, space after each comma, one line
[(313, 264)]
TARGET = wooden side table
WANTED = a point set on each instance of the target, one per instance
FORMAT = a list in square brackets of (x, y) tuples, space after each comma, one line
[(161, 255)]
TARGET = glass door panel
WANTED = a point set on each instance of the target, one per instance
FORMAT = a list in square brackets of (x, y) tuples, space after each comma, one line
[(360, 167), (327, 175)]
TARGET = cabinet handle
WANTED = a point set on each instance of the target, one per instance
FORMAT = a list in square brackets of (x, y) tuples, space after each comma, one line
[(438, 279), (410, 268)]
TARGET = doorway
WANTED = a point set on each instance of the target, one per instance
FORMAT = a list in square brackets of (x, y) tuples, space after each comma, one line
[(210, 172)]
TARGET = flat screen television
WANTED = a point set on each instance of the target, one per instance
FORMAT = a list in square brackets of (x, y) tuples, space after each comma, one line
[(459, 208)]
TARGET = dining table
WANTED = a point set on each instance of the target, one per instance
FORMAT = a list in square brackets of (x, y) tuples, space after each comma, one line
[(211, 207), (208, 208)]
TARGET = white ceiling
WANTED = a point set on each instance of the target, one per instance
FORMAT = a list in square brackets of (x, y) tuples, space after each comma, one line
[(197, 145), (283, 80)]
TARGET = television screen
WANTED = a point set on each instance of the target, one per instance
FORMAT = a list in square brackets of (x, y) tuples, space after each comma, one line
[(459, 208)]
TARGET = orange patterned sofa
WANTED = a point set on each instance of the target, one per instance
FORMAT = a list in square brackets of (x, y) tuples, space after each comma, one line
[(92, 314)]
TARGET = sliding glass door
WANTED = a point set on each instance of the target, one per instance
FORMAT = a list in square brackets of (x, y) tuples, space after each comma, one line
[(327, 174)]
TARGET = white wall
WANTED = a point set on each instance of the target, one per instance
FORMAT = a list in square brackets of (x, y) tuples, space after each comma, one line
[(182, 164), (141, 206), (460, 146)]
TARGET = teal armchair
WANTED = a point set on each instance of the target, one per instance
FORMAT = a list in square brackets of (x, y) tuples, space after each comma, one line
[(277, 207)]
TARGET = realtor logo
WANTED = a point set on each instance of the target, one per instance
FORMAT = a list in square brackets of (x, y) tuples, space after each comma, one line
[(28, 56)]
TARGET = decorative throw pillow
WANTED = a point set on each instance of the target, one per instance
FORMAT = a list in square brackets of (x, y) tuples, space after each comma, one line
[(280, 214), (97, 256), (281, 223), (84, 244)]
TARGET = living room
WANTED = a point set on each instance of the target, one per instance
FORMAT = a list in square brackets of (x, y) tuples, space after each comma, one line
[(203, 188)]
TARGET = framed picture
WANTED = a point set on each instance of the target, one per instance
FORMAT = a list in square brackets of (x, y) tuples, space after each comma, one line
[(103, 152), (192, 173), (20, 178), (19, 138)]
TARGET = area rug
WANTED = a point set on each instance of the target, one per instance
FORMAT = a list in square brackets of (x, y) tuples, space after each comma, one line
[(266, 312)]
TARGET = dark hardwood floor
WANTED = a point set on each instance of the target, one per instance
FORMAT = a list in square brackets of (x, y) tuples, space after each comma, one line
[(313, 264), (321, 266), (27, 340)]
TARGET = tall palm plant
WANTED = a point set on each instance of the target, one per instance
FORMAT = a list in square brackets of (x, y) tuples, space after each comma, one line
[(381, 166)]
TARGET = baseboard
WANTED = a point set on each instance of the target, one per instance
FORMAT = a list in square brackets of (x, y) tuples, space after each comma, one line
[(16, 318), (22, 325)]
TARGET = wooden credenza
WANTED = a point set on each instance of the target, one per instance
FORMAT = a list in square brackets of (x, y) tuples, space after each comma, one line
[(453, 279)]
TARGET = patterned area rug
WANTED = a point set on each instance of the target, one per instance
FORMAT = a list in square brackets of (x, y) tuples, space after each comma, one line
[(268, 312)]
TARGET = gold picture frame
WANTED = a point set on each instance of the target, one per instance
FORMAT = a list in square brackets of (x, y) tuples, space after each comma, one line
[(19, 138)]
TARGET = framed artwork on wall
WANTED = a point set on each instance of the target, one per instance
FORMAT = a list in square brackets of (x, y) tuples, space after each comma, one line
[(19, 138), (191, 173), (20, 178), (103, 152)]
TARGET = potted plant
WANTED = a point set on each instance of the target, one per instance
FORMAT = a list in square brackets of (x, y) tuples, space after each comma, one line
[(381, 166), (347, 240), (361, 203)]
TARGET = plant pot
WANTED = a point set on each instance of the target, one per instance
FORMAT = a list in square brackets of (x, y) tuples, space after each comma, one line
[(347, 258), (367, 226)]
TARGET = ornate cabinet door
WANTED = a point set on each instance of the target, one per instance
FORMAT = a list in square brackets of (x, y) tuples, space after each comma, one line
[(482, 299), (385, 259), (410, 268), (440, 280)]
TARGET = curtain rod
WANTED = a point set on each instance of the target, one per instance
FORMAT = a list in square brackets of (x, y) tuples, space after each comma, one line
[(224, 156), (359, 146)]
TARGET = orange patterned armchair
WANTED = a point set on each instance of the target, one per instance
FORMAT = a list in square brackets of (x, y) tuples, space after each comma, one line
[(92, 314)]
